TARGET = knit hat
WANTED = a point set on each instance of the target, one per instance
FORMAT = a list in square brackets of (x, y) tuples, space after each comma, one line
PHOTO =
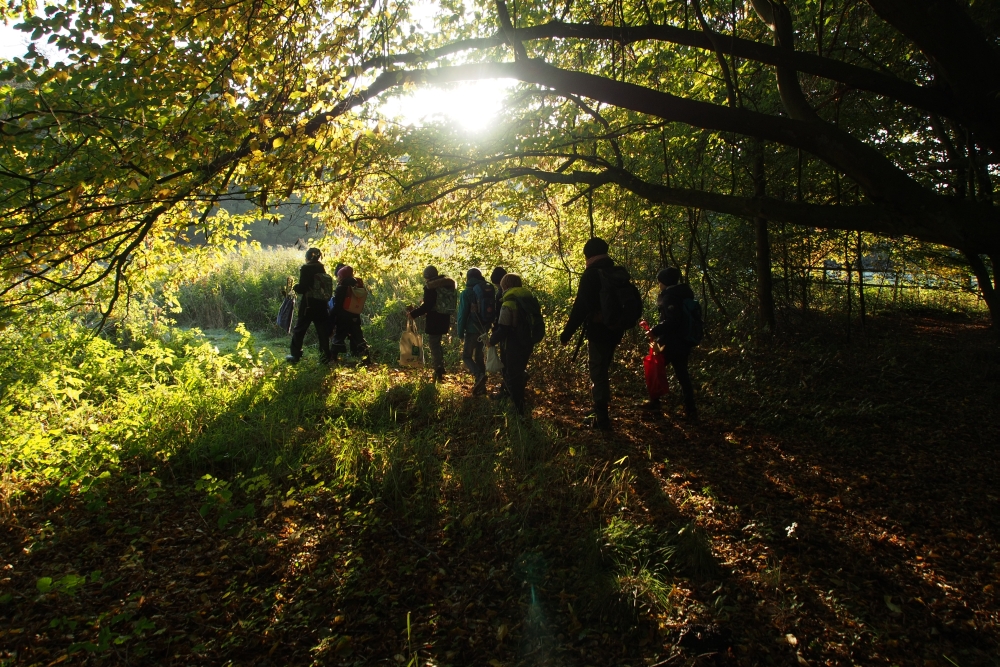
[(345, 272), (313, 254), (473, 273), (669, 276), (497, 274), (510, 281), (430, 273), (595, 246)]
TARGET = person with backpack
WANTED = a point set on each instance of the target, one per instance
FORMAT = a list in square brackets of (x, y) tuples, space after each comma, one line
[(348, 303), (440, 299), (679, 328), (315, 288), (332, 304), (476, 311), (606, 305), (495, 277), (519, 328)]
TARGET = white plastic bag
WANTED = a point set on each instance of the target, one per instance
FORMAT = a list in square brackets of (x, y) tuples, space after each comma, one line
[(409, 342), (493, 363)]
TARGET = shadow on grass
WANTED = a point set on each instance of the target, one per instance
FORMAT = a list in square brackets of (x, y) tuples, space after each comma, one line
[(346, 516)]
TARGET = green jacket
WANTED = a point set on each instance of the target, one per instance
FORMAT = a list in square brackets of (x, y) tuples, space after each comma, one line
[(508, 318)]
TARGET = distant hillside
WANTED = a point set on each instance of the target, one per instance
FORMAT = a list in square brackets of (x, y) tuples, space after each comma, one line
[(299, 221)]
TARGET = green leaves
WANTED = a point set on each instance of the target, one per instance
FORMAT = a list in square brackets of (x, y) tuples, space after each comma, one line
[(69, 584)]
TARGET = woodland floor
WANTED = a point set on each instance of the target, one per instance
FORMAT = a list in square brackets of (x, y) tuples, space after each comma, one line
[(849, 495)]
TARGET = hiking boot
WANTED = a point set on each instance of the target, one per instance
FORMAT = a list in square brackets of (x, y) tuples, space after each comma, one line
[(291, 358), (650, 404), (479, 389), (598, 421), (691, 414)]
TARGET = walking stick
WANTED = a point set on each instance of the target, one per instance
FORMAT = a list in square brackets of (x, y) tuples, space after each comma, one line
[(579, 344)]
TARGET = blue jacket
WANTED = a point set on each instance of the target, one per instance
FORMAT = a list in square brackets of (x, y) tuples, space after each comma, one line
[(468, 321)]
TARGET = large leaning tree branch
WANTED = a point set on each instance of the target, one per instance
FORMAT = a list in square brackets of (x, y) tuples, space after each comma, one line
[(963, 58), (922, 97), (873, 218)]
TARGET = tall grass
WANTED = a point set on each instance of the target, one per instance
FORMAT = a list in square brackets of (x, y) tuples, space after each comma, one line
[(244, 286)]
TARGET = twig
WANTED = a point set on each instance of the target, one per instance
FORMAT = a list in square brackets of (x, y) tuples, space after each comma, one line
[(664, 663), (410, 539)]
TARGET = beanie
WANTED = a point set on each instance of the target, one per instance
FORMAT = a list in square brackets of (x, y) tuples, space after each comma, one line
[(313, 253), (430, 273), (345, 272), (595, 246), (497, 274), (669, 276), (473, 273), (510, 281)]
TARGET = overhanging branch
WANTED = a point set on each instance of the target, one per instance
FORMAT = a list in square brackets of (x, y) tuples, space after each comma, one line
[(862, 78)]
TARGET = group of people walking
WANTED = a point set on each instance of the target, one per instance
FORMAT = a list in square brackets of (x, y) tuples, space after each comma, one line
[(328, 306), (502, 313)]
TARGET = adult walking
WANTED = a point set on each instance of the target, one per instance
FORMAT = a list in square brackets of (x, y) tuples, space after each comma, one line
[(476, 310), (672, 335), (514, 333), (602, 339), (438, 306), (315, 288), (495, 278)]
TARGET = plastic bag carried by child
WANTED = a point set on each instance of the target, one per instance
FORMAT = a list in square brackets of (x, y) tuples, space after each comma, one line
[(493, 363), (654, 366)]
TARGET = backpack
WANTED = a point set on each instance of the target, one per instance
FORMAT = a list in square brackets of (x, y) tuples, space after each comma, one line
[(284, 320), (486, 303), (354, 302), (530, 323), (322, 287), (621, 302), (692, 326), (447, 300)]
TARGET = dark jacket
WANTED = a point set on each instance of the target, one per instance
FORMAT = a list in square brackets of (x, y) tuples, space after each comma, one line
[(339, 297), (307, 273), (587, 307), (468, 321), (669, 330), (437, 324)]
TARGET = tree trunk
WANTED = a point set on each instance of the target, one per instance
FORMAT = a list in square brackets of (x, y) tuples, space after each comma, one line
[(765, 293), (847, 268), (986, 286), (861, 287)]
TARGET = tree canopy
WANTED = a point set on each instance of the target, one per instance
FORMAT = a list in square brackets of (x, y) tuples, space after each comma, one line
[(880, 116)]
